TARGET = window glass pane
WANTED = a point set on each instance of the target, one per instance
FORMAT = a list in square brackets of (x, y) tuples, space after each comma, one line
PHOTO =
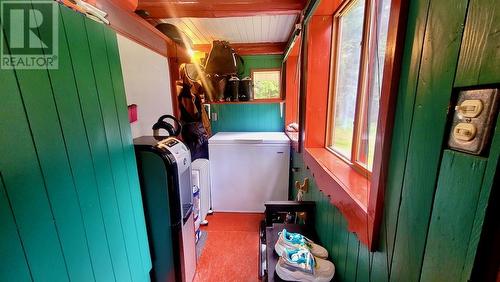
[(266, 84), (368, 136), (348, 60)]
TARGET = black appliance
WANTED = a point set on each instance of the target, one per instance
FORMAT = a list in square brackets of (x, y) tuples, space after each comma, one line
[(165, 175)]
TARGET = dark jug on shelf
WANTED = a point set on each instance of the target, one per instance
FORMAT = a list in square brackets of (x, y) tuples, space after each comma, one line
[(232, 89), (246, 89)]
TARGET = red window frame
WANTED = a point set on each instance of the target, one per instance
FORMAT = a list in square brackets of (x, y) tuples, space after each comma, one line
[(358, 197)]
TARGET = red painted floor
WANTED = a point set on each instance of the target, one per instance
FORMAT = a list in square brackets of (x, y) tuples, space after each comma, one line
[(232, 248)]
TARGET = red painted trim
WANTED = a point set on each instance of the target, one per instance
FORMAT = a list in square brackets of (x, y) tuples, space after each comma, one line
[(327, 7), (292, 90), (249, 48), (390, 84), (219, 8), (345, 188), (296, 47), (359, 200), (318, 77), (128, 5)]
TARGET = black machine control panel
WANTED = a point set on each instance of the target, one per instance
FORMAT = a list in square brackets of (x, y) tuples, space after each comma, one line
[(171, 142)]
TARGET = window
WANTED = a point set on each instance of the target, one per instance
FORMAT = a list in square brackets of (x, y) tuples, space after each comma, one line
[(359, 40), (359, 78), (266, 84)]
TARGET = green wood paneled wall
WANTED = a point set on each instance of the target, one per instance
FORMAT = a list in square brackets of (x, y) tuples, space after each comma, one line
[(251, 117), (435, 199), (70, 202), (248, 117), (261, 62)]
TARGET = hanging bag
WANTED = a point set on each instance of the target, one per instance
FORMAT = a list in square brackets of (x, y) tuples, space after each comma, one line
[(222, 60)]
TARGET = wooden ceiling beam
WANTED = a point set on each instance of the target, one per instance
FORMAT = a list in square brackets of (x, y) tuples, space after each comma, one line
[(219, 8), (249, 48), (130, 25)]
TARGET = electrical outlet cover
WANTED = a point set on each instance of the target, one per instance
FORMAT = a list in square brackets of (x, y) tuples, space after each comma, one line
[(473, 119)]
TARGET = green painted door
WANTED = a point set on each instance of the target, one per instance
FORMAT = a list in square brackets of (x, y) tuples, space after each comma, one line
[(70, 202)]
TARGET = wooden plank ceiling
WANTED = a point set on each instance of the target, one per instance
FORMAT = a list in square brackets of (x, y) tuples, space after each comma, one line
[(254, 26), (248, 29)]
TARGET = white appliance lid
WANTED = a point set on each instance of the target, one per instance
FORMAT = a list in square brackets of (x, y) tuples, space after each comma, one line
[(249, 138)]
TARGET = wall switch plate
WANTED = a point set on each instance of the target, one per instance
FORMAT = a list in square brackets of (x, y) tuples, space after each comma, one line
[(214, 116), (474, 117)]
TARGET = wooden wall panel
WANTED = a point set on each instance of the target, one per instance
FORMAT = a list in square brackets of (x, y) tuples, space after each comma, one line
[(363, 264), (320, 216), (342, 248), (73, 128), (25, 187), (487, 185), (458, 190), (128, 146), (16, 267), (329, 222), (440, 233), (351, 257), (261, 62), (336, 242), (479, 61), (42, 113), (332, 229), (88, 91), (251, 116), (63, 155), (434, 88), (417, 19), (247, 117), (120, 179), (94, 126)]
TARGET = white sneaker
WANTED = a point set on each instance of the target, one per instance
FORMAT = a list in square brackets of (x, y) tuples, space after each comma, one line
[(301, 265), (295, 241)]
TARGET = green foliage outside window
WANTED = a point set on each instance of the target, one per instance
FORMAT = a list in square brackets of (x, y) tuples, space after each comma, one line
[(266, 84)]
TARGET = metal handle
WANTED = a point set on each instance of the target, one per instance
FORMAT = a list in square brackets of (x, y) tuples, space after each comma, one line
[(251, 141)]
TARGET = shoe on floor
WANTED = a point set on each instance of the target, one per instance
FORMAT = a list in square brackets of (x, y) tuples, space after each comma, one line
[(301, 265), (295, 241)]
